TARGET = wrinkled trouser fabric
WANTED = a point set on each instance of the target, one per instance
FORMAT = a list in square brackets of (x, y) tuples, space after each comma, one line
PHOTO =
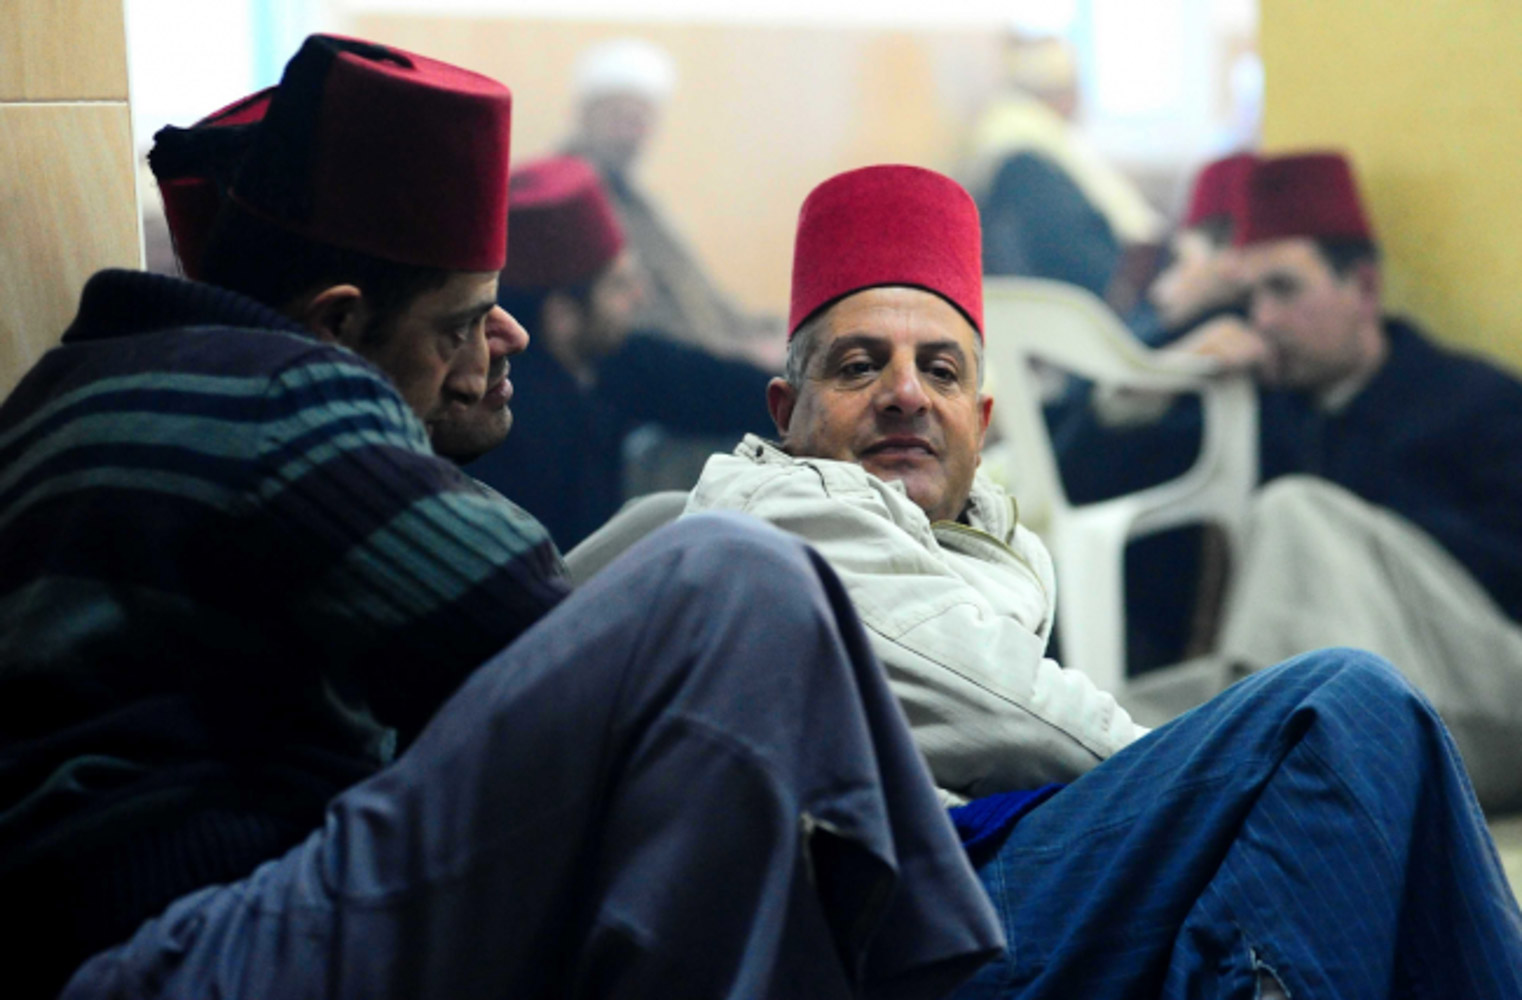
[(690, 780), (1313, 820), (1323, 567)]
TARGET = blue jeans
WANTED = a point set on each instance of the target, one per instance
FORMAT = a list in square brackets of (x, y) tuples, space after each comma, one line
[(1314, 821), (688, 780)]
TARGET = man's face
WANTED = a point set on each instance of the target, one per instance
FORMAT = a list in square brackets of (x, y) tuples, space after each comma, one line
[(1201, 277), (892, 385), (446, 353), (615, 297), (615, 127), (1319, 327)]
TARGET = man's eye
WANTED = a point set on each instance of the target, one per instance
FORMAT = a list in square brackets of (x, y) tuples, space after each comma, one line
[(460, 334), (944, 373), (856, 369)]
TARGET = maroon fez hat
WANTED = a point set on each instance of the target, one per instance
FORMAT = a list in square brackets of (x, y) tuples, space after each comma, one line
[(564, 229), (384, 152), (1310, 195), (194, 168), (887, 225), (1220, 190)]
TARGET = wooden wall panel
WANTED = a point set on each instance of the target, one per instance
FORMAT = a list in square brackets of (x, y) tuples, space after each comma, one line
[(69, 203), (68, 195), (62, 50)]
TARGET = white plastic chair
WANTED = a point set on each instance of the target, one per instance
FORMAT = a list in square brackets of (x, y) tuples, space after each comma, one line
[(1030, 320)]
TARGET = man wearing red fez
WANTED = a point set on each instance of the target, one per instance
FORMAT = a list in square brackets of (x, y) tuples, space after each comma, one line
[(1392, 470), (290, 707), (587, 384), (1238, 850), (1200, 285)]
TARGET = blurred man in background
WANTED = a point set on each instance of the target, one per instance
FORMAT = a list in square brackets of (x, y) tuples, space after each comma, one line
[(1391, 515), (622, 87), (1202, 282), (1052, 207)]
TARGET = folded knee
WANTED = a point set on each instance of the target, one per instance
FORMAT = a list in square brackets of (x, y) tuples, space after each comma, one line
[(1292, 498), (1360, 689)]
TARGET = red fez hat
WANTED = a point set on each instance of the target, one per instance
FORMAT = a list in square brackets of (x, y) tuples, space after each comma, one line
[(194, 168), (1220, 190), (564, 228), (384, 152), (1310, 195), (887, 225)]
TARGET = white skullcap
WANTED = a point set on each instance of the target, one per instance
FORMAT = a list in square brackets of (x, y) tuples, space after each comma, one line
[(625, 66), (1041, 65)]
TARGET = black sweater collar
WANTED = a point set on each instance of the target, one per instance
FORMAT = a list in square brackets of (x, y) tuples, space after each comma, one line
[(118, 303)]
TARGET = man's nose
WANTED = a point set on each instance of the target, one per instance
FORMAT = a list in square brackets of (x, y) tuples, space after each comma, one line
[(505, 336), (903, 389), (1261, 312)]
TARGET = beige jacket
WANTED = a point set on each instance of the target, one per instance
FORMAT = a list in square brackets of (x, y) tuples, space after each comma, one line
[(959, 614)]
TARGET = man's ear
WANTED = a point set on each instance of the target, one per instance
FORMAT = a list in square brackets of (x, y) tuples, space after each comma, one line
[(337, 315), (781, 397), (985, 413), (1366, 279)]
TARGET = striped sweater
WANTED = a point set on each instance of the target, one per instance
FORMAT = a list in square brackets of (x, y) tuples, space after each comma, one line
[(231, 572)]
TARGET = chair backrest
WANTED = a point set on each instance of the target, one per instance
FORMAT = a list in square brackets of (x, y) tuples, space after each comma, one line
[(1030, 321)]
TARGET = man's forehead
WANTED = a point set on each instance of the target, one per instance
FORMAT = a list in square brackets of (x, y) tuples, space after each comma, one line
[(462, 293), (898, 309), (1295, 255)]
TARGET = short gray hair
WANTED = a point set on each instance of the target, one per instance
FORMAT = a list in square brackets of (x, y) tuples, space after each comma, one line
[(800, 350)]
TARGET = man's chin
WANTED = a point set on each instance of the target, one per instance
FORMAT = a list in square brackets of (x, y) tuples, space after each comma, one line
[(920, 487), (463, 441)]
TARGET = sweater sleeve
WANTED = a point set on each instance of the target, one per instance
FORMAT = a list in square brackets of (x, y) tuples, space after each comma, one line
[(965, 656), (402, 571)]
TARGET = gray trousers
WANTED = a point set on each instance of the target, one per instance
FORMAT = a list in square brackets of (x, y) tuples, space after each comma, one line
[(690, 780), (1323, 567)]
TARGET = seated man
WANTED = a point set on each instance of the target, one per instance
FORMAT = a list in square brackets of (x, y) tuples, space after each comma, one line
[(587, 383), (1311, 828), (289, 707), (1201, 285), (1391, 512)]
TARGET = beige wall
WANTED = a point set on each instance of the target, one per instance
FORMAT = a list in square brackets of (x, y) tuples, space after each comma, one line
[(68, 203), (760, 115), (1427, 97)]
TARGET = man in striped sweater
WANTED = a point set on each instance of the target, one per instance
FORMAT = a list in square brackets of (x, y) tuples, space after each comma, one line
[(286, 686)]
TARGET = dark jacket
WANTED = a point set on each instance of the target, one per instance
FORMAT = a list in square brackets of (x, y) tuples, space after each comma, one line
[(1436, 436)]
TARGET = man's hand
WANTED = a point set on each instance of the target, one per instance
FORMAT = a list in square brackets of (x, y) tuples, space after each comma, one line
[(1227, 340)]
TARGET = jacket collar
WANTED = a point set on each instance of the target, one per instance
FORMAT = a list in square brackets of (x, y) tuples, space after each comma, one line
[(989, 508)]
